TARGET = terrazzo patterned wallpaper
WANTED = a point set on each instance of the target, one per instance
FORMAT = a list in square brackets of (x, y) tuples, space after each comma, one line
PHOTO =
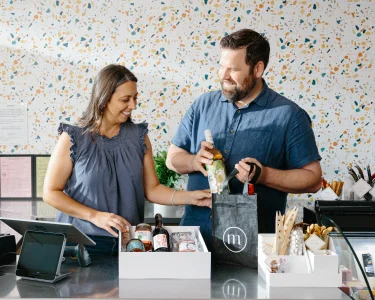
[(322, 58)]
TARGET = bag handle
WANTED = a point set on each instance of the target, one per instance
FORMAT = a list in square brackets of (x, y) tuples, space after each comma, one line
[(235, 172)]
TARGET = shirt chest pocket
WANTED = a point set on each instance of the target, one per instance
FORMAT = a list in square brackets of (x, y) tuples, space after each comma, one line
[(252, 143)]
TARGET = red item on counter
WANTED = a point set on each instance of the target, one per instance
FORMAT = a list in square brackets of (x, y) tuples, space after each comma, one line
[(345, 290), (324, 183), (250, 189)]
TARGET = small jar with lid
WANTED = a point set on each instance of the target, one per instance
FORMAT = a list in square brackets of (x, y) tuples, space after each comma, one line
[(135, 245), (143, 232)]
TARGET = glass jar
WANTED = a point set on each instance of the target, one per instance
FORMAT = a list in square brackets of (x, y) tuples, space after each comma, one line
[(143, 232), (135, 245)]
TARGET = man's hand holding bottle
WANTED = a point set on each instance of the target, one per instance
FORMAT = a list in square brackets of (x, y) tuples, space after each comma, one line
[(203, 157)]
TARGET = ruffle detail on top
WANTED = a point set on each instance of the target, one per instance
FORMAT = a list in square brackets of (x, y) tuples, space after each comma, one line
[(143, 130), (69, 129)]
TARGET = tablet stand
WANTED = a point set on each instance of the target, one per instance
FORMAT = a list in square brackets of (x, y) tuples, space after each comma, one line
[(38, 275)]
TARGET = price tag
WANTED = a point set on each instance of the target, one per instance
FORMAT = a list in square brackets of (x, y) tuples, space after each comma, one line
[(314, 243), (328, 194)]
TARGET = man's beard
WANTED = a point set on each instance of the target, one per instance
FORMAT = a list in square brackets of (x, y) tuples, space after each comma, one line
[(238, 94)]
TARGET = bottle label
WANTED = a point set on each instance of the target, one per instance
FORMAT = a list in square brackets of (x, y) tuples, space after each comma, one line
[(216, 176), (144, 236), (136, 246), (160, 241)]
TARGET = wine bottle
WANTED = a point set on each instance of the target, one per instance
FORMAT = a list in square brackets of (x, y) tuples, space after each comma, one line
[(160, 236), (215, 171)]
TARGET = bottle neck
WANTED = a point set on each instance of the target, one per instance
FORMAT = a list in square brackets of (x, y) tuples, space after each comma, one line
[(210, 140), (208, 136), (158, 223)]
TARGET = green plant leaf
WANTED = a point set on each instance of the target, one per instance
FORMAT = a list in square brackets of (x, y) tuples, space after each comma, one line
[(166, 177)]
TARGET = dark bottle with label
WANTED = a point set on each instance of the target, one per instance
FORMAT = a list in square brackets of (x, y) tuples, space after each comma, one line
[(160, 236)]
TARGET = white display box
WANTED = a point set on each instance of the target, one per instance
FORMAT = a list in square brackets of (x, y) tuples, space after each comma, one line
[(166, 265), (304, 293), (298, 271)]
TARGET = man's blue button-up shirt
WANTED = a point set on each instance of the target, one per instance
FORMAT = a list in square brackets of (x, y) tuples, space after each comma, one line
[(271, 129)]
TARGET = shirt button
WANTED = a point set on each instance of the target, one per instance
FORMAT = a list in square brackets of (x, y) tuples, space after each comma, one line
[(210, 217), (226, 151), (238, 111)]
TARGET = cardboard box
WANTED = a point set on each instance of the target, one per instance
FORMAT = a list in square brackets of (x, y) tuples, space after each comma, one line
[(301, 271), (166, 265)]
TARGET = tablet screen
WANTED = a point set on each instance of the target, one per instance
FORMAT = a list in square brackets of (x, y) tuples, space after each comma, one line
[(40, 254)]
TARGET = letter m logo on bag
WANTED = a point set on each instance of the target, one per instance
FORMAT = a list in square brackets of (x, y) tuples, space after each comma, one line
[(234, 239)]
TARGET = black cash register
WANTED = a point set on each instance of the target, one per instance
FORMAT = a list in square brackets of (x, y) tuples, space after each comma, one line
[(43, 248)]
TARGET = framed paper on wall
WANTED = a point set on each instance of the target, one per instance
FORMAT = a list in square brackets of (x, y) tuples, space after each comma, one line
[(16, 177), (41, 164)]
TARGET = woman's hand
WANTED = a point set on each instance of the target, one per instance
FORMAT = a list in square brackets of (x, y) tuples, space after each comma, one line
[(108, 221), (201, 198)]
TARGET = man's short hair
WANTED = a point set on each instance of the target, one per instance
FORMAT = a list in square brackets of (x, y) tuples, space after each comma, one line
[(257, 46)]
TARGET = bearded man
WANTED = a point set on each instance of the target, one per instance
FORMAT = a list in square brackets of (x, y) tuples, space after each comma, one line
[(250, 123)]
